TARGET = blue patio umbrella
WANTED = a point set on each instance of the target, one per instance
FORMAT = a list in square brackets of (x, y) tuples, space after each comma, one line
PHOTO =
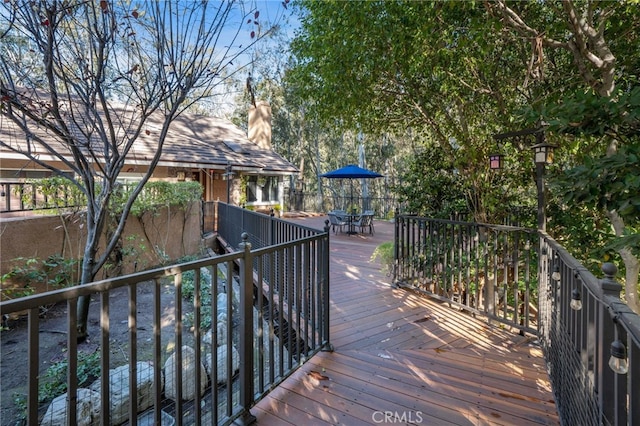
[(351, 171)]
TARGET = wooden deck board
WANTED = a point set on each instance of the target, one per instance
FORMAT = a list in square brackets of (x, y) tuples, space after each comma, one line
[(414, 360)]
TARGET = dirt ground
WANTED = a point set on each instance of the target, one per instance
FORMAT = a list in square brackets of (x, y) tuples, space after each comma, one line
[(53, 342)]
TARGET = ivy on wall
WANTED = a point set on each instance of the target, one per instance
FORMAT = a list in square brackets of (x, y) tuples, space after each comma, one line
[(58, 193), (54, 194)]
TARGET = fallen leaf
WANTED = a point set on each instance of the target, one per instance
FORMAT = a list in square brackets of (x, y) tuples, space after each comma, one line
[(317, 376)]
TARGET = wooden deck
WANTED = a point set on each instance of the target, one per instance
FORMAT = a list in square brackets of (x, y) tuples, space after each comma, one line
[(400, 358)]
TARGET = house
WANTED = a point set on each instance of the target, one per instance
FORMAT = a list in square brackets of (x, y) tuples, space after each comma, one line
[(232, 166)]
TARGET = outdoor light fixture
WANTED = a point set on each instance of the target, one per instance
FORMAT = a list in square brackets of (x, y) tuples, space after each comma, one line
[(228, 175), (181, 176), (618, 360), (576, 299), (543, 152), (495, 161), (556, 273)]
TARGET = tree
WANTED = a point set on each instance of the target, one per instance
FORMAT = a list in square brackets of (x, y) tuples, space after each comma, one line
[(82, 81), (601, 38), (431, 186), (457, 73), (389, 66)]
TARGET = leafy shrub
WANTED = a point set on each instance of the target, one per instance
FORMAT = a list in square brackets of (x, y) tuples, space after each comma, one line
[(54, 381), (55, 271), (384, 252), (206, 293), (61, 192)]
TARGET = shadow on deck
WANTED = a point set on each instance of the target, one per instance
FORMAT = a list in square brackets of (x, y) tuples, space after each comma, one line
[(401, 358)]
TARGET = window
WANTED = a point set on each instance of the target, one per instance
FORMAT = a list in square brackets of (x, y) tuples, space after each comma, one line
[(262, 188)]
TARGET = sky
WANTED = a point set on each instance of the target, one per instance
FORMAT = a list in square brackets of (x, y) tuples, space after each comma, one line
[(270, 12)]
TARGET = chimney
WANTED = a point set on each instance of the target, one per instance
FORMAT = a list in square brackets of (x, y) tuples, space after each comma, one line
[(260, 124)]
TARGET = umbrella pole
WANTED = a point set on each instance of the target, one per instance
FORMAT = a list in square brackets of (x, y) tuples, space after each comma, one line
[(351, 212), (351, 204)]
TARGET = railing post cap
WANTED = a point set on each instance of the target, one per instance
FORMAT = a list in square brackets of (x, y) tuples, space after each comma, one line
[(610, 270), (245, 241), (608, 283)]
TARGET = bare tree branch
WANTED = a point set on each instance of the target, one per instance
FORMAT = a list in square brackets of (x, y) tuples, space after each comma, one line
[(587, 45), (98, 73)]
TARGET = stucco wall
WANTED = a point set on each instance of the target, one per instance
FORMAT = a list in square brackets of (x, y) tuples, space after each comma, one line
[(148, 241)]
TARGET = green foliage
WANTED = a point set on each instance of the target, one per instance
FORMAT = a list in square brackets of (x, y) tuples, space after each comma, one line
[(599, 184), (431, 185), (244, 181), (60, 192), (418, 73), (206, 292), (54, 271), (20, 401), (610, 182), (584, 232), (54, 381), (386, 254), (585, 113), (133, 248), (50, 193), (160, 193)]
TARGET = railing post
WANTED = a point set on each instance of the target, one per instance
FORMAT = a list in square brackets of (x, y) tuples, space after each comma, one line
[(607, 392), (272, 225), (326, 300), (4, 193), (396, 248), (246, 332)]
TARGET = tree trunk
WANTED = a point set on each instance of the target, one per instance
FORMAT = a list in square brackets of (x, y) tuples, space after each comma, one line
[(87, 276), (631, 264)]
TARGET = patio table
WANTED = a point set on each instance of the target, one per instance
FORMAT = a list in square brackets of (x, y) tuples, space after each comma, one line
[(351, 218)]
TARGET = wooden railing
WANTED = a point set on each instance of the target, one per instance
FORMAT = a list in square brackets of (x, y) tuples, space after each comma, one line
[(274, 315)]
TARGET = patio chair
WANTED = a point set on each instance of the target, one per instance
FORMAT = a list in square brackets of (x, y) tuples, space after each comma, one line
[(372, 214), (336, 222), (365, 221)]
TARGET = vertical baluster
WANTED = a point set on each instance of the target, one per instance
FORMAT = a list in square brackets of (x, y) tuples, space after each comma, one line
[(198, 342), (214, 344), (34, 364), (72, 363), (104, 360), (178, 366), (260, 265), (157, 352), (246, 333), (133, 352)]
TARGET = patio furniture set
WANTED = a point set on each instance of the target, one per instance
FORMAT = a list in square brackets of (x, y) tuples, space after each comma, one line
[(340, 219)]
